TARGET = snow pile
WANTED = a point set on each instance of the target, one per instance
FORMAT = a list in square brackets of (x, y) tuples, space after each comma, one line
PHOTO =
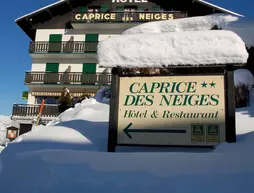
[(243, 76), (240, 25), (180, 48), (88, 109), (83, 127)]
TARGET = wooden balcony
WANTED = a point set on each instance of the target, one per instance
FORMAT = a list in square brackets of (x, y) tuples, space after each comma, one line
[(75, 47), (29, 112), (69, 78)]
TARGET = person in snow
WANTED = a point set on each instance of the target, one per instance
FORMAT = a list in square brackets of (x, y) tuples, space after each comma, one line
[(66, 100)]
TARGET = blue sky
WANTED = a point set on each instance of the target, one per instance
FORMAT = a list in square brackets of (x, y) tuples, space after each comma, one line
[(14, 43)]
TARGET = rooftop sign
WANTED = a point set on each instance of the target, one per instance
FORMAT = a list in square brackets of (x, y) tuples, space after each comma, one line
[(126, 17)]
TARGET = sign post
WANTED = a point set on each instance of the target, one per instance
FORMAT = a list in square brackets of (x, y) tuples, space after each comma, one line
[(170, 110)]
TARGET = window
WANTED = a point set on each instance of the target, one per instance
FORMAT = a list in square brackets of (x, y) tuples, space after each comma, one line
[(48, 100)]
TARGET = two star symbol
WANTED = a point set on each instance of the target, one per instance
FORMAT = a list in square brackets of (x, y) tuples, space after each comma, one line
[(204, 84)]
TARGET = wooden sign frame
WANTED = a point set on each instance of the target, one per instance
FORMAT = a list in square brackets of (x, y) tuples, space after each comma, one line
[(225, 70)]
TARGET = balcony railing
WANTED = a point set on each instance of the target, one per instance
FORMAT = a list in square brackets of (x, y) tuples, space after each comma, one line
[(31, 111), (126, 17), (63, 47), (67, 78)]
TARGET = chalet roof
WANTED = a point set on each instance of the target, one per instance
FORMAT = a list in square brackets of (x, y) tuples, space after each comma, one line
[(26, 22), (219, 8)]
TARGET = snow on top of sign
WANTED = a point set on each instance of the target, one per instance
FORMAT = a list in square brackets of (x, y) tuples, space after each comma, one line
[(240, 25), (165, 49)]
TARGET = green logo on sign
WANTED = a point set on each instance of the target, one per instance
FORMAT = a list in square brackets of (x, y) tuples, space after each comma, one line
[(197, 133), (213, 133)]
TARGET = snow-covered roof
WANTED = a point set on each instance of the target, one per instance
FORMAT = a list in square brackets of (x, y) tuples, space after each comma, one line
[(174, 48)]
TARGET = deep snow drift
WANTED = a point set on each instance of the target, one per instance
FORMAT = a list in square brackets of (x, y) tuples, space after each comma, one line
[(242, 26), (71, 157), (179, 48)]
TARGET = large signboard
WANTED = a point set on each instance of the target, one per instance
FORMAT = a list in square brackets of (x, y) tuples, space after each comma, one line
[(171, 110)]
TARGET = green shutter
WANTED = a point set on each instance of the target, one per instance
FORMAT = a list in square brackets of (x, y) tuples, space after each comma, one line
[(52, 67), (89, 68), (89, 74), (104, 8), (55, 42), (83, 9), (55, 37), (92, 37), (51, 75)]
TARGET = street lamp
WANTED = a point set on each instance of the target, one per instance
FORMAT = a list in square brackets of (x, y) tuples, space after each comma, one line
[(12, 133)]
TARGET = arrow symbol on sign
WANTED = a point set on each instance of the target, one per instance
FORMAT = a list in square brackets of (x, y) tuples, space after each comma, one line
[(127, 130)]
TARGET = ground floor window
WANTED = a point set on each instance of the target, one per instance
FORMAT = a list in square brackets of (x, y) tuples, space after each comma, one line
[(48, 100)]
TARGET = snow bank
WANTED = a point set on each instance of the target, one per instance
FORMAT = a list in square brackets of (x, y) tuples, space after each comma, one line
[(71, 157), (181, 48), (80, 171), (243, 76), (88, 109), (240, 25), (84, 127), (66, 158)]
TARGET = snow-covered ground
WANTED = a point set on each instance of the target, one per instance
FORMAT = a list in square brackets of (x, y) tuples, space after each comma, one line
[(71, 157)]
